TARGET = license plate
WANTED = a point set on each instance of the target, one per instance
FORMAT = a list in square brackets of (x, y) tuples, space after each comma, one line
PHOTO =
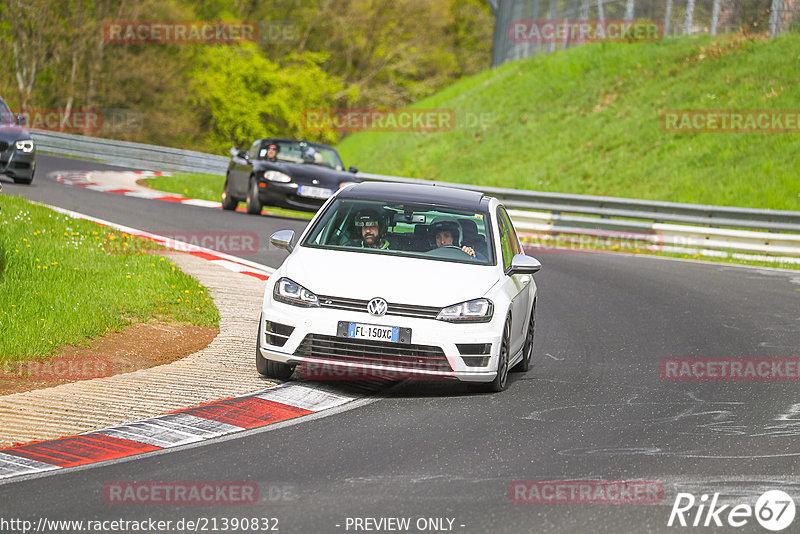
[(372, 332), (314, 192)]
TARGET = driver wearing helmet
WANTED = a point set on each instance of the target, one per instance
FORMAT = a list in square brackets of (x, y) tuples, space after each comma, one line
[(372, 228), (446, 231)]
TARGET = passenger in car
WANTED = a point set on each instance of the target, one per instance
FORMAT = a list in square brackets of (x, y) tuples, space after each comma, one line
[(446, 233), (471, 237), (373, 230)]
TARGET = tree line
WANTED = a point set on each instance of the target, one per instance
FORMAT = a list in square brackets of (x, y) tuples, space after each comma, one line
[(309, 54)]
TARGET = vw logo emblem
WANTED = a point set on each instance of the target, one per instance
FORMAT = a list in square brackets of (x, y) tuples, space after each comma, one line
[(377, 307)]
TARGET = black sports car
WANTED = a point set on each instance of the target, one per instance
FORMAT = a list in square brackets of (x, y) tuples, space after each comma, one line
[(282, 172), (17, 150)]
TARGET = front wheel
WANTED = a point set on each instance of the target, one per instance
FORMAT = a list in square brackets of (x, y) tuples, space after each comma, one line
[(500, 382), (228, 202), (253, 203), (527, 351)]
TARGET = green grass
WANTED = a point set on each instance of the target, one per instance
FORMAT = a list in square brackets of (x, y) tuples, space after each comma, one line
[(65, 281), (587, 121), (208, 187)]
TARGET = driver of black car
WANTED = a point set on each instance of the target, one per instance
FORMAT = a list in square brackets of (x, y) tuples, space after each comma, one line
[(446, 232), (272, 152)]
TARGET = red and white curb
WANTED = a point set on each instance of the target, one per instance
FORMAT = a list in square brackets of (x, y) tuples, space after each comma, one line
[(124, 183), (220, 418), (232, 263)]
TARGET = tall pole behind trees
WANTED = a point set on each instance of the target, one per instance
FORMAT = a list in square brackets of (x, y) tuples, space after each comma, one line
[(775, 18), (714, 17), (689, 20), (629, 7), (668, 18), (600, 15), (551, 46)]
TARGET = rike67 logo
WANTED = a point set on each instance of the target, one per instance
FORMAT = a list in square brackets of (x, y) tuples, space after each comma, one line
[(774, 510)]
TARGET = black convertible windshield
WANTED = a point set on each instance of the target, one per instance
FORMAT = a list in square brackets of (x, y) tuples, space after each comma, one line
[(303, 152), (405, 229)]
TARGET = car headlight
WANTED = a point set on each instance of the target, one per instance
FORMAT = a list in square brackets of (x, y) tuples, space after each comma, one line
[(275, 176), (24, 145), (291, 292), (472, 311)]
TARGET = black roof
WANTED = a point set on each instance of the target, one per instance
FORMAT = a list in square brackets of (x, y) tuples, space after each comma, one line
[(429, 194)]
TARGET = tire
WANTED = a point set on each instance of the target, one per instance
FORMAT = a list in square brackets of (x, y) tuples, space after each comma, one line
[(228, 202), (500, 382), (527, 351), (268, 368), (253, 204)]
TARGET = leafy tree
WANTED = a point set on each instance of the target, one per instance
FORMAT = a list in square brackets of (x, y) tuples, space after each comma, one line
[(244, 96)]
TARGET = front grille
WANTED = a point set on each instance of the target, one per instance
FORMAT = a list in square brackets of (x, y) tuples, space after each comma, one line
[(412, 357), (277, 334), (402, 310), (3, 146)]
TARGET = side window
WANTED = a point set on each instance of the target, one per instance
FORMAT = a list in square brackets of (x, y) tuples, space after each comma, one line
[(515, 244), (506, 236), (253, 152)]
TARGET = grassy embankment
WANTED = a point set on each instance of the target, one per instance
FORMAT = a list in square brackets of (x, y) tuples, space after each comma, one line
[(587, 121), (66, 281)]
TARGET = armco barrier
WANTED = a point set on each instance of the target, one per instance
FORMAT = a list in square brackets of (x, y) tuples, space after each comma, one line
[(682, 227)]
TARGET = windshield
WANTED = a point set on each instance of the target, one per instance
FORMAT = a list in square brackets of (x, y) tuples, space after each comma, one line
[(404, 229), (303, 152)]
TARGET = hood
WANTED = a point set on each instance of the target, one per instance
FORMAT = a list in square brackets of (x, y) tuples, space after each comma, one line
[(12, 132), (397, 279), (305, 173)]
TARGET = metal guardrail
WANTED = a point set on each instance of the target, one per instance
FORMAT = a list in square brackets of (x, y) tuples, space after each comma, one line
[(626, 208), (690, 226), (128, 154)]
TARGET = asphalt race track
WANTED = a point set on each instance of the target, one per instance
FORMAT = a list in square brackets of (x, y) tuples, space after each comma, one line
[(594, 407)]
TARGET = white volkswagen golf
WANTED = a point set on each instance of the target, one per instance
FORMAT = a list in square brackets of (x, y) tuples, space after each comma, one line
[(400, 280)]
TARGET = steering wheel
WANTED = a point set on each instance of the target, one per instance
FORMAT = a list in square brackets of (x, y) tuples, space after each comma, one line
[(457, 248)]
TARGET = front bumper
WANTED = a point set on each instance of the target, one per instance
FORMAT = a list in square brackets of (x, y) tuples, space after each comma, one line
[(441, 337), (285, 195), (17, 164)]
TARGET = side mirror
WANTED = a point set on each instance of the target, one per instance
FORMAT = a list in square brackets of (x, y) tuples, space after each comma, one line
[(21, 120), (283, 239), (524, 264), (352, 169), (236, 153)]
